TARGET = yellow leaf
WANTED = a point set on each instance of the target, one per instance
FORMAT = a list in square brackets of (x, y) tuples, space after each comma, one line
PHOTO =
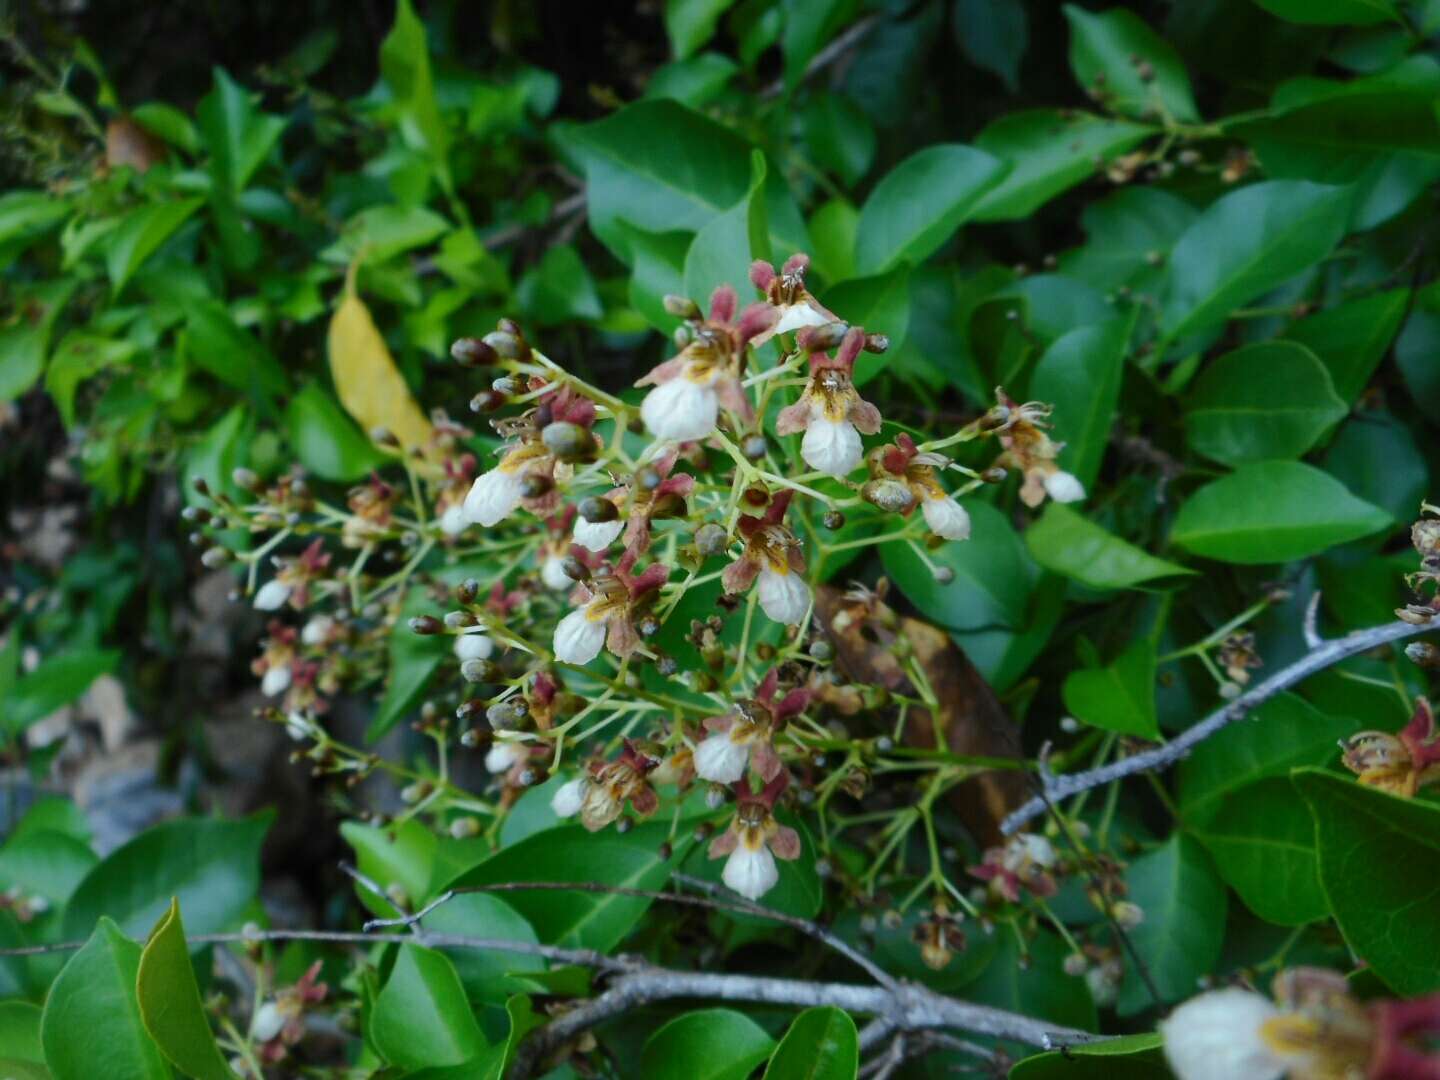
[(370, 385)]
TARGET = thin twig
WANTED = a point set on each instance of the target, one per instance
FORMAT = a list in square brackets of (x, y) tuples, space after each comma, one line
[(1327, 654)]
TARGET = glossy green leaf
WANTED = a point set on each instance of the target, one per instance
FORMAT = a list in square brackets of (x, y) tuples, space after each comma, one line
[(485, 974), (1128, 1057), (558, 289), (220, 345), (140, 235), (20, 1032), (1246, 243), (405, 66), (1263, 844), (840, 136), (1351, 338), (238, 135), (25, 216), (882, 305), (1068, 543), (53, 814), (378, 233), (821, 1044), (691, 23), (708, 1044), (1081, 372), (920, 203), (993, 34), (1108, 53), (1380, 872), (26, 344), (695, 82), (1037, 986), (58, 680), (211, 866), (1119, 697), (400, 856), (1273, 512), (1285, 732), (1376, 457), (1129, 237), (325, 439), (1183, 899), (723, 250), (1332, 12), (421, 1017), (1261, 402), (216, 454), (994, 574), (1049, 152), (169, 124), (91, 1014), (809, 25), (412, 660), (170, 1004), (43, 862)]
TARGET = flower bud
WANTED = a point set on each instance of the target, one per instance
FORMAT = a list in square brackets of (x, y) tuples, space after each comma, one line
[(243, 478), (487, 401), (535, 484), (876, 343), (463, 827), (469, 712), (457, 620), (826, 337), (711, 539), (504, 714), (597, 510), (649, 478), (568, 442), (215, 557), (507, 344), (1425, 535), (467, 591), (997, 417), (1127, 915), (715, 796), (944, 575), (426, 625), (682, 307), (754, 447), (1076, 964), (994, 475), (476, 670), (833, 519), (200, 486), (889, 495), (472, 352), (1420, 652), (574, 569)]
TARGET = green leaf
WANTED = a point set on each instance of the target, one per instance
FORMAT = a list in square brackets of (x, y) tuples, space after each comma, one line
[(707, 1044), (1260, 402), (558, 289), (839, 135), (1129, 1057), (412, 660), (25, 344), (1130, 234), (402, 854), (691, 23), (822, 1044), (91, 1014), (1070, 544), (1184, 904), (46, 863), (20, 1032), (809, 24), (1351, 338), (1107, 50), (1245, 244), (993, 35), (140, 234), (1050, 151), (581, 920), (1120, 697), (882, 305), (1263, 843), (486, 974), (1285, 732), (378, 233), (219, 345), (170, 1003), (723, 250), (405, 65), (1375, 457), (238, 135), (59, 680), (214, 457), (1036, 986), (25, 216), (421, 1017), (52, 814), (920, 203), (325, 439), (168, 123), (1332, 12), (1381, 874), (833, 228), (211, 866), (695, 82), (994, 574), (1081, 373), (1273, 512)]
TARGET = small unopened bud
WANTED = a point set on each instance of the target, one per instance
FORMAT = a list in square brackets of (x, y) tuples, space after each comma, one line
[(383, 436), (467, 591), (827, 336), (413, 793), (596, 509), (648, 626), (821, 650), (889, 495), (568, 442), (508, 345), (472, 352), (714, 796), (476, 670), (754, 447), (682, 307), (711, 539), (649, 478), (1423, 653), (426, 624), (487, 401), (833, 519), (994, 475), (574, 569), (469, 712), (535, 484), (463, 827), (876, 343), (200, 486), (682, 336), (1069, 725), (243, 478), (503, 714), (508, 385), (1076, 964), (997, 417), (1146, 71), (667, 665), (458, 620), (1127, 915), (944, 575), (1229, 691), (215, 557)]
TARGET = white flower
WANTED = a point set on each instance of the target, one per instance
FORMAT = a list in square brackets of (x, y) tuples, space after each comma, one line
[(297, 726), (453, 522), (720, 759), (579, 638), (503, 755), (831, 446), (1063, 487), (272, 595), (494, 496), (473, 645), (276, 680), (681, 409), (784, 596), (751, 873), (1028, 849), (552, 573), (597, 535), (317, 630), (1218, 1035), (269, 1022), (798, 315), (946, 518), (569, 797)]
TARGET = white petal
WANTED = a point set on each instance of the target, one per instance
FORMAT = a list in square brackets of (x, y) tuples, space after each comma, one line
[(503, 755), (783, 597), (1218, 1035), (579, 638), (750, 873), (268, 1022), (680, 410), (720, 760), (569, 797), (473, 646), (297, 726), (832, 446), (317, 630), (493, 497), (276, 680), (272, 596), (1064, 488), (552, 573), (597, 535), (453, 522), (1036, 848), (946, 518), (798, 315)]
